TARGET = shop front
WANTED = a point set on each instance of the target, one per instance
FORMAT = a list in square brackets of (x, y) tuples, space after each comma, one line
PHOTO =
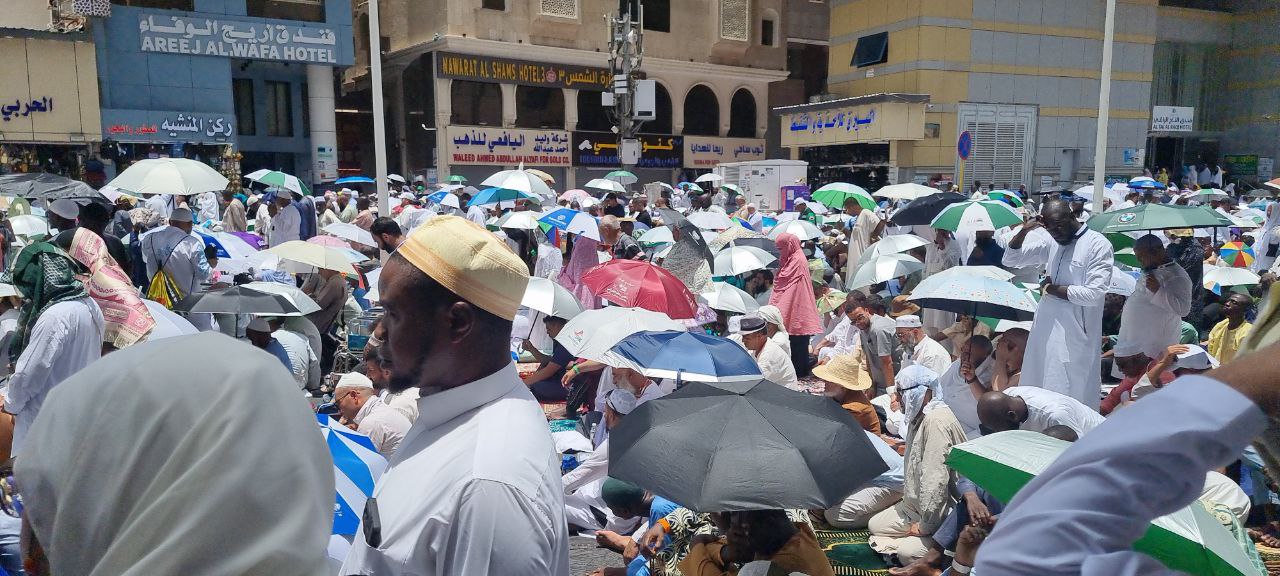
[(596, 154), (141, 134)]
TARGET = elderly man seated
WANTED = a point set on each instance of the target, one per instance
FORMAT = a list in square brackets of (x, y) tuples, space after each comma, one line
[(917, 347), (874, 496), (775, 364), (363, 411)]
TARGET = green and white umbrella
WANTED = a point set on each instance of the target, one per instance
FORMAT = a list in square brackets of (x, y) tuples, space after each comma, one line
[(883, 268), (605, 185), (835, 193), (1158, 217), (457, 179), (976, 216), (622, 176), (895, 244), (1005, 196), (1190, 540), (732, 188), (277, 179)]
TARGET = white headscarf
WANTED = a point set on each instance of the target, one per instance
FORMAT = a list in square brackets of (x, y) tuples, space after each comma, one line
[(772, 315), (912, 383), (187, 471)]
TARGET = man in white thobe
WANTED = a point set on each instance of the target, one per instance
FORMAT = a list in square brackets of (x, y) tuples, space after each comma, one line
[(967, 379), (304, 360), (1064, 350), (1036, 410), (179, 252), (775, 364), (286, 223), (208, 206), (862, 227), (917, 348), (359, 404), (1152, 316), (475, 486)]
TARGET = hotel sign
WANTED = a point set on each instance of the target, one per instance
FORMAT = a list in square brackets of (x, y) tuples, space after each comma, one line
[(524, 72), (237, 38)]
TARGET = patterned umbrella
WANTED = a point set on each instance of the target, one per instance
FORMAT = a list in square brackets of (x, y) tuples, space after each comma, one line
[(836, 193), (356, 468), (1236, 254), (576, 195), (1006, 196), (975, 216), (641, 284), (277, 179)]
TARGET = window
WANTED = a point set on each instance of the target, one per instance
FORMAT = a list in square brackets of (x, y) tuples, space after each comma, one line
[(493, 4), (766, 32), (304, 10), (187, 5), (657, 15), (279, 109), (735, 20), (242, 93), (871, 50), (558, 8)]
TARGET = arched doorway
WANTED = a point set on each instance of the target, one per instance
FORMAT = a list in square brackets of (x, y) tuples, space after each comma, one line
[(701, 112), (742, 115), (539, 107), (476, 103)]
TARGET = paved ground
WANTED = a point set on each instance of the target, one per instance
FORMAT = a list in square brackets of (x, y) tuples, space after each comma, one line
[(585, 556)]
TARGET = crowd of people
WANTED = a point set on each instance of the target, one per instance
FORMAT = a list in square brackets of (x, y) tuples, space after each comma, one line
[(462, 381)]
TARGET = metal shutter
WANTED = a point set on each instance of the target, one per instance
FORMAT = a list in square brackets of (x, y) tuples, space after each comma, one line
[(1003, 143)]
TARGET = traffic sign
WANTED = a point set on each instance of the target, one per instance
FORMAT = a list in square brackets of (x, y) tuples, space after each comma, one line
[(965, 145)]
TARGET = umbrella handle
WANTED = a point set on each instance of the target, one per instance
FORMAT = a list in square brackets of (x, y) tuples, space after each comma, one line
[(679, 371), (531, 323)]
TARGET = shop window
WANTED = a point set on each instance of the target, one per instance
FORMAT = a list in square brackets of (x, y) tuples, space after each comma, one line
[(657, 15), (539, 107), (476, 103), (871, 49), (591, 114), (304, 10), (766, 32), (742, 115), (187, 5), (279, 109), (493, 4), (242, 93), (701, 112)]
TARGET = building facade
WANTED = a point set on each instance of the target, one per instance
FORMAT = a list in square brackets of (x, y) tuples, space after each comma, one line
[(475, 85), (239, 84)]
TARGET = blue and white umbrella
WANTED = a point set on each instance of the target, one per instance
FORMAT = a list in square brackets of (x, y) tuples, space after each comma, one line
[(354, 180), (684, 356), (497, 195), (573, 222), (1144, 182), (357, 465), (228, 245)]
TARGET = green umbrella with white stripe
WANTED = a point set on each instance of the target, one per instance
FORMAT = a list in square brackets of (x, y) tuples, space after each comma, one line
[(622, 176), (457, 179), (277, 179), (835, 193), (732, 188), (976, 216), (1190, 540)]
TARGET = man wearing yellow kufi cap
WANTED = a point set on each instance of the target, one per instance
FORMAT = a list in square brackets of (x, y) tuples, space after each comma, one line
[(474, 488)]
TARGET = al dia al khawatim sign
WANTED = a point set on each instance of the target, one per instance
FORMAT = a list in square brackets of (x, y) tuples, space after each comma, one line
[(509, 71)]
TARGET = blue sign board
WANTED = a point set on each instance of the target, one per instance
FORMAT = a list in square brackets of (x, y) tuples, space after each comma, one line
[(965, 145)]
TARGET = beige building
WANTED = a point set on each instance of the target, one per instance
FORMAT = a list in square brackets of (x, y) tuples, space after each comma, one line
[(474, 85)]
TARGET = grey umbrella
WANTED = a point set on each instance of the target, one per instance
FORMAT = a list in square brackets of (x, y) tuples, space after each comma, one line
[(237, 300), (45, 185), (743, 446), (688, 232)]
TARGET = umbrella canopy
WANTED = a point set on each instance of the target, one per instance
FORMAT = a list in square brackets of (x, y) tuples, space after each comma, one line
[(547, 178), (605, 185), (710, 220), (1208, 195), (896, 244), (519, 221), (906, 191), (835, 193), (239, 300), (1236, 254), (802, 229), (44, 185), (457, 179), (883, 268), (299, 299), (635, 283), (732, 188), (622, 177), (743, 446), (831, 300), (1006, 196), (29, 225), (576, 195), (354, 180), (923, 210), (655, 236), (228, 245), (330, 241), (1157, 217), (729, 298), (357, 465), (976, 216), (592, 333), (520, 181), (175, 176), (1224, 276), (550, 298), (736, 260), (710, 177), (352, 233), (314, 255), (1122, 283), (496, 195), (1190, 540), (573, 222), (686, 356), (974, 295), (688, 232), (276, 179), (168, 324), (1144, 182)]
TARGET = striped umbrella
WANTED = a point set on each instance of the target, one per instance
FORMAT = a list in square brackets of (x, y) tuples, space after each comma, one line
[(976, 216), (1236, 254), (277, 179), (835, 193), (573, 222), (356, 468), (1144, 182), (1006, 196), (605, 185)]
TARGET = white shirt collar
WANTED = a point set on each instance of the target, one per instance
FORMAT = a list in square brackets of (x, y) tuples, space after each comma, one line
[(441, 407)]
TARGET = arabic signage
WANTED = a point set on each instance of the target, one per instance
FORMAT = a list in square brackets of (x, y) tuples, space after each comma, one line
[(167, 126), (48, 91), (879, 122), (23, 109), (237, 38), (1172, 118), (601, 149), (509, 71), (503, 147), (705, 152)]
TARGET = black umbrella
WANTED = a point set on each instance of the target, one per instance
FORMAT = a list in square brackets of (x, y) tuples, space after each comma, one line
[(743, 446), (238, 300), (922, 210), (44, 185)]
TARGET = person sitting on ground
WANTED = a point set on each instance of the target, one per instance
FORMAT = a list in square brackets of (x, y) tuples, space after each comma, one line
[(847, 383), (1226, 336), (918, 348), (305, 362), (756, 535), (545, 381), (583, 506), (626, 500), (362, 410), (968, 378), (1035, 409), (775, 364), (1133, 365), (387, 234), (259, 333), (774, 327), (874, 496)]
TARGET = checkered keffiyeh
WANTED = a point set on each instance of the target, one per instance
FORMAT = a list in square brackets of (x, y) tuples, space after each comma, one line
[(45, 275)]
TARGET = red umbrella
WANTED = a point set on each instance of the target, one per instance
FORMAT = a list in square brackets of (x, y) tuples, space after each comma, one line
[(643, 285)]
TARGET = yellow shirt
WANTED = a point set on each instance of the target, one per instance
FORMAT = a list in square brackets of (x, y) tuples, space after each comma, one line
[(1223, 342)]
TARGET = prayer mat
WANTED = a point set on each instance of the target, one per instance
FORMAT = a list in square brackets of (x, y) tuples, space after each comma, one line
[(563, 425), (553, 410), (809, 384), (850, 552), (1270, 558)]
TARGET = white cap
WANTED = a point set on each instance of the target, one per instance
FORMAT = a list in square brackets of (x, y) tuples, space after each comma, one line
[(407, 196), (622, 401), (354, 380), (258, 324), (909, 321), (65, 208), (1196, 358)]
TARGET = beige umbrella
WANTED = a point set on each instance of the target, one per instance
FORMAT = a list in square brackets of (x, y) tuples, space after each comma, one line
[(313, 255)]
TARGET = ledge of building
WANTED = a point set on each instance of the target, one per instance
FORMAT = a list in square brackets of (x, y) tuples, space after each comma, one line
[(855, 101)]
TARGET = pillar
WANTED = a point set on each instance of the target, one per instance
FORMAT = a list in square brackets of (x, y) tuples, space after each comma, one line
[(444, 117), (398, 117), (324, 123), (508, 105), (724, 111)]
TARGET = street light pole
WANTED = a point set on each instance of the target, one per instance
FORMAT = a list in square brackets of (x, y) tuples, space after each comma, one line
[(1104, 109), (626, 53), (379, 112)]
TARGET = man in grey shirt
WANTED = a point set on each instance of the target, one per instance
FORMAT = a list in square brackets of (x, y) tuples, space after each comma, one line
[(880, 347)]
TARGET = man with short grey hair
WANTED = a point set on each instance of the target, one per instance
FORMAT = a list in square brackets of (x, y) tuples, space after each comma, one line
[(622, 246)]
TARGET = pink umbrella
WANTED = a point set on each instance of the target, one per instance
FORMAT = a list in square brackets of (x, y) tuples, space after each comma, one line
[(576, 195), (330, 241), (641, 285)]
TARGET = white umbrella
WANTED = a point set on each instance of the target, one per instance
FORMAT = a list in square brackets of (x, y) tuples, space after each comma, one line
[(659, 235), (29, 225), (8, 290), (906, 191), (593, 332), (817, 207), (896, 244), (988, 271), (736, 260), (519, 221), (710, 177), (605, 185), (314, 255), (396, 178), (451, 201), (1122, 282), (729, 298), (176, 176), (802, 229), (1229, 276), (520, 181), (305, 304), (883, 268), (168, 324), (710, 220), (550, 298), (355, 233), (235, 246)]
